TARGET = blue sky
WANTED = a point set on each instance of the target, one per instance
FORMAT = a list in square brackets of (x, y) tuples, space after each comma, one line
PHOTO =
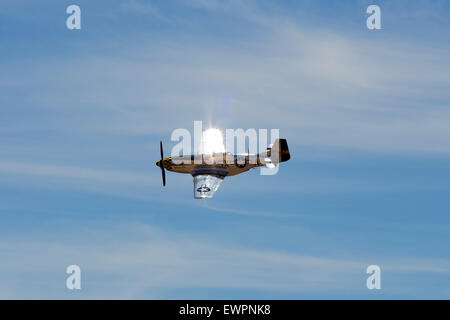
[(366, 115)]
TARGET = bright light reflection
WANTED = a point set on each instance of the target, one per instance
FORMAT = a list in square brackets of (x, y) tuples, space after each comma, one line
[(212, 141)]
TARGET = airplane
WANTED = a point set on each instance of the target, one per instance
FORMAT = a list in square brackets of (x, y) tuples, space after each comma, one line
[(209, 170)]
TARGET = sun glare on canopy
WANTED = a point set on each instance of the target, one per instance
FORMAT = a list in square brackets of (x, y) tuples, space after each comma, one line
[(212, 141)]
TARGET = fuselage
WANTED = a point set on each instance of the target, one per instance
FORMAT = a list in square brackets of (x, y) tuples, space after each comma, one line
[(234, 164)]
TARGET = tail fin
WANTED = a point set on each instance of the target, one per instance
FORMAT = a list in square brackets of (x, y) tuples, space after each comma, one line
[(278, 152)]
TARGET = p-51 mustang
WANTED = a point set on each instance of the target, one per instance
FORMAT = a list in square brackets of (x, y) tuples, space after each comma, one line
[(209, 170)]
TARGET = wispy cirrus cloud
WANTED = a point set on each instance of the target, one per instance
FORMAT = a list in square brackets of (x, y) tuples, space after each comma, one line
[(154, 261), (86, 112), (63, 171), (341, 91)]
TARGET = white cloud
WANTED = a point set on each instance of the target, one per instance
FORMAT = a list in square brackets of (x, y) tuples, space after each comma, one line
[(118, 183), (142, 8), (319, 88), (151, 260), (75, 172)]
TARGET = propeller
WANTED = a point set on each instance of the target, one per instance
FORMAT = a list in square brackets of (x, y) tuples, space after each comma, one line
[(161, 164)]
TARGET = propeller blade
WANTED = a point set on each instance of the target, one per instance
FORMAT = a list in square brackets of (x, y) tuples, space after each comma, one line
[(163, 172)]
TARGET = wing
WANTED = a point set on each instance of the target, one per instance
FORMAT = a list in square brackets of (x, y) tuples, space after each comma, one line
[(205, 186), (206, 182)]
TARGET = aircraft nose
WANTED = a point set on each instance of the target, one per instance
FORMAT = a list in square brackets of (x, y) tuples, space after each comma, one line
[(158, 163)]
